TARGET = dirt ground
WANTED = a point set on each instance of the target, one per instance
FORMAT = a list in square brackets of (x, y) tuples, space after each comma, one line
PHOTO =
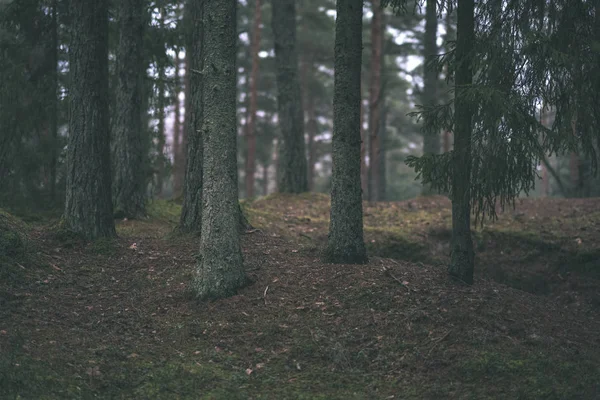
[(116, 319)]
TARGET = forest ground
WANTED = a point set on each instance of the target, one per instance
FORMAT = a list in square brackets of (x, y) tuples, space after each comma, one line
[(116, 319)]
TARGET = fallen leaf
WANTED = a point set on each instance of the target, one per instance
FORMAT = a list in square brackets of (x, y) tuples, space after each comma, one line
[(248, 371), (133, 246)]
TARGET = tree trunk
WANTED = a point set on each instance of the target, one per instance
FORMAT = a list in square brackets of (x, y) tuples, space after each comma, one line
[(177, 167), (88, 207), (129, 186), (265, 179), (431, 142), (375, 99), (462, 257), (191, 211), (312, 132), (345, 244), (54, 105), (251, 132), (382, 154), (293, 170), (161, 129), (220, 271), (363, 154)]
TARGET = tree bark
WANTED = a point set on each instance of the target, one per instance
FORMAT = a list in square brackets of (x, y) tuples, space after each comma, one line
[(191, 212), (431, 142), (382, 154), (375, 98), (293, 170), (251, 132), (345, 244), (88, 207), (462, 256), (220, 271), (129, 185)]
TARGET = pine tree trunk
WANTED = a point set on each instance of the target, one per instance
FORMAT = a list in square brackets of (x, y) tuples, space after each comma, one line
[(220, 271), (177, 183), (375, 99), (265, 179), (160, 167), (88, 207), (191, 211), (251, 133), (312, 132), (382, 154), (363, 154), (293, 170), (129, 185), (462, 257), (431, 142), (54, 105), (345, 244)]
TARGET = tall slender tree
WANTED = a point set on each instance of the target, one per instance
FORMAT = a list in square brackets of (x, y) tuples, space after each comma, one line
[(431, 141), (375, 99), (177, 127), (220, 270), (191, 212), (251, 128), (129, 146), (292, 160), (462, 256), (346, 244), (88, 207), (54, 102)]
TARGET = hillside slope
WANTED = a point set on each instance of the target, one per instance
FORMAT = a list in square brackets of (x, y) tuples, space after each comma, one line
[(116, 319)]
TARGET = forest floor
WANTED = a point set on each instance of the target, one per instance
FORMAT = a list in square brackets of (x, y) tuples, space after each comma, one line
[(116, 319)]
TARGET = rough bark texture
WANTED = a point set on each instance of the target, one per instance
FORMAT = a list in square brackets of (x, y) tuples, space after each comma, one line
[(191, 212), (220, 270), (129, 186), (345, 244), (88, 207), (462, 258), (431, 142), (292, 160), (251, 132), (375, 98)]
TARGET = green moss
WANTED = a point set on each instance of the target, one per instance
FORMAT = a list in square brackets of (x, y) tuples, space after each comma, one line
[(165, 210)]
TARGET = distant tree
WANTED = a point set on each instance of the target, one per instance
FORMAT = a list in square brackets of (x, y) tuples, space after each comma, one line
[(129, 145), (251, 127), (346, 244), (292, 159), (375, 100), (88, 208), (191, 213), (431, 142), (220, 269)]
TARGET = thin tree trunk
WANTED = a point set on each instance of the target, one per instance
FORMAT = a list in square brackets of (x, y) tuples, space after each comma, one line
[(364, 172), (265, 179), (293, 169), (88, 206), (346, 244), (375, 99), (54, 105), (382, 155), (312, 132), (177, 183), (431, 142), (251, 133), (191, 211), (129, 186), (220, 271), (160, 173), (462, 257)]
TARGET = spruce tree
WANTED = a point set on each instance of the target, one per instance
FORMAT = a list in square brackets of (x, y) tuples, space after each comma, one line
[(220, 269), (292, 161), (88, 207), (129, 145), (191, 213), (345, 243)]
